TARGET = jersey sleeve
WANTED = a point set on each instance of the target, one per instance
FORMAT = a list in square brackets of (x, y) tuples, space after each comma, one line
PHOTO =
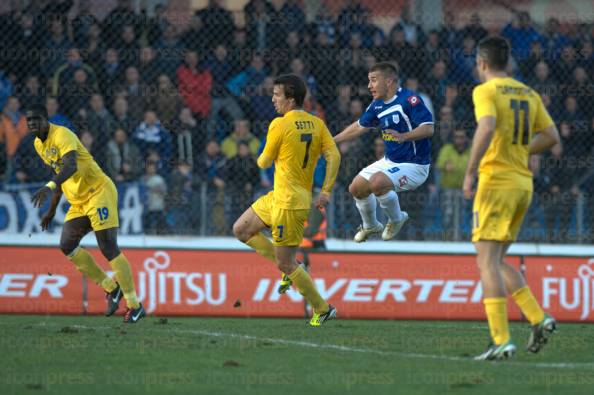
[(369, 118), (332, 156), (542, 120), (418, 112), (273, 143), (484, 102), (66, 142)]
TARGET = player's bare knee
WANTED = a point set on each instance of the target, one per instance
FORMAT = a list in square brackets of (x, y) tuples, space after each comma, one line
[(110, 251), (358, 191), (379, 186), (241, 231), (67, 247), (286, 266)]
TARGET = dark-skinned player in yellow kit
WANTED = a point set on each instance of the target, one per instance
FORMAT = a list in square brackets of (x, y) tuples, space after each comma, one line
[(93, 202), (513, 124), (294, 143)]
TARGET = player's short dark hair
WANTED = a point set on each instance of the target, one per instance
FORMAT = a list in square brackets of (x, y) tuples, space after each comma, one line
[(38, 109), (293, 86), (386, 68), (495, 51)]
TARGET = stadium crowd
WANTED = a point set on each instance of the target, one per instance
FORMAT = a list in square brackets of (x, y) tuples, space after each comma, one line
[(185, 112)]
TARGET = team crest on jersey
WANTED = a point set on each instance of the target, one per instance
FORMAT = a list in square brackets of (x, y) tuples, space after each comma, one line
[(403, 181), (396, 119), (413, 100)]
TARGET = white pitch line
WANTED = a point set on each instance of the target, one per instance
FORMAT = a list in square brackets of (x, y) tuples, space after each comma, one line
[(336, 347)]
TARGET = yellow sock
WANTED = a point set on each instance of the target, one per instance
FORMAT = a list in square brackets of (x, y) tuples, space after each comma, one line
[(123, 273), (496, 309), (303, 282), (263, 246), (85, 264), (528, 304)]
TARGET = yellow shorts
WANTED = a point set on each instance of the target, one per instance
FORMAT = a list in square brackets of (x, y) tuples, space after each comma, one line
[(497, 214), (286, 225), (101, 208)]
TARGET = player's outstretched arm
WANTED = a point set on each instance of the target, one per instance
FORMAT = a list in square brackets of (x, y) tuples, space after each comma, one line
[(544, 140), (69, 167), (332, 156), (482, 138), (352, 131)]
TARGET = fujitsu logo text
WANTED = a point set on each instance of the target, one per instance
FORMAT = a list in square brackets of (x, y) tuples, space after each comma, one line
[(158, 286), (582, 290)]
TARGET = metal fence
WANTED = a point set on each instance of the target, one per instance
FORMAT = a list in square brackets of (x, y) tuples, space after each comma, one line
[(181, 102)]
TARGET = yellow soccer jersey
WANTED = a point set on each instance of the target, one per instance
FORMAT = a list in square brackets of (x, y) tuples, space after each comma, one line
[(81, 185), (294, 143), (519, 113)]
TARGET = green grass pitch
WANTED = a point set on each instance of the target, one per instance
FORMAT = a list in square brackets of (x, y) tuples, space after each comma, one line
[(98, 355)]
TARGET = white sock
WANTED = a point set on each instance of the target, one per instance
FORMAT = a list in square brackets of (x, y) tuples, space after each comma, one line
[(389, 202), (367, 207)]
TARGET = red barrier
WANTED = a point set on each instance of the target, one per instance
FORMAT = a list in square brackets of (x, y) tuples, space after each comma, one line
[(225, 283)]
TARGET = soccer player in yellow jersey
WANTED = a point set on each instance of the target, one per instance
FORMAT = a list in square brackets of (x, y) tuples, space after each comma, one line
[(94, 206), (294, 143), (512, 124)]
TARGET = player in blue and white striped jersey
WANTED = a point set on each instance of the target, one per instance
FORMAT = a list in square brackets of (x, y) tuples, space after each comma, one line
[(407, 126)]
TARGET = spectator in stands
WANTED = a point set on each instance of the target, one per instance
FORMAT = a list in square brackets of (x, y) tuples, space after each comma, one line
[(97, 151), (258, 23), (247, 81), (122, 119), (195, 85), (541, 80), (189, 137), (211, 170), (262, 109), (123, 159), (221, 68), (31, 92), (449, 35), (239, 50), (169, 49), (291, 50), (99, 121), (127, 46), (25, 42), (182, 203), (432, 51), (157, 24), (451, 164), (462, 65), (135, 91), (444, 128), (402, 52), (298, 68), (55, 47), (474, 29), (582, 87), (338, 112), (123, 14), (412, 84), (13, 128), (148, 67), (325, 24), (218, 20), (54, 116), (28, 167), (240, 134), (196, 36), (553, 40), (93, 47), (76, 93), (150, 135), (110, 73), (586, 56), (436, 83), (353, 67), (241, 176), (313, 106), (559, 202), (165, 100), (65, 72), (323, 57), (6, 88), (567, 61), (83, 24), (572, 114), (349, 19), (521, 34), (413, 33), (155, 222)]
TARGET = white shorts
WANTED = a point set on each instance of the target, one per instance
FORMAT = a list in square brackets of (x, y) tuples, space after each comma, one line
[(404, 176)]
